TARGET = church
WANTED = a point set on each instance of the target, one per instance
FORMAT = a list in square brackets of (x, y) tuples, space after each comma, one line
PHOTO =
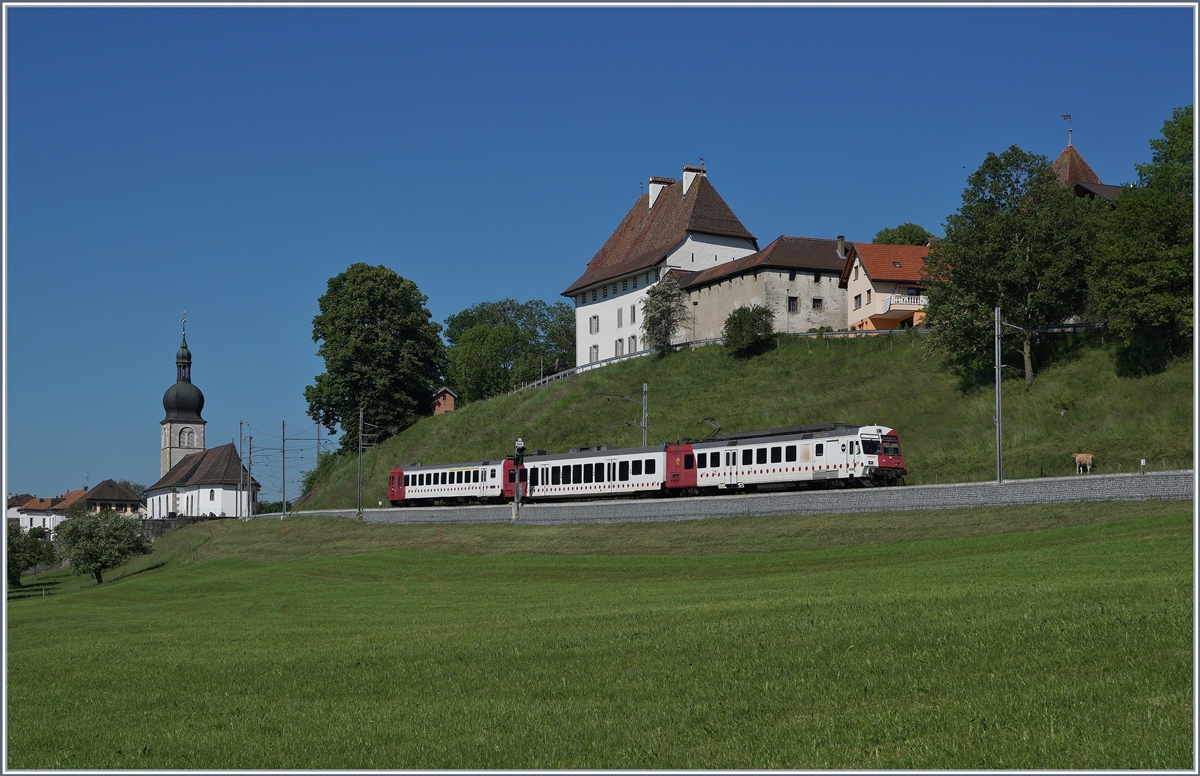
[(193, 480)]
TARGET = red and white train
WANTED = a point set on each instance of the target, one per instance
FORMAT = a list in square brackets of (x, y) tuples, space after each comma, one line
[(831, 454)]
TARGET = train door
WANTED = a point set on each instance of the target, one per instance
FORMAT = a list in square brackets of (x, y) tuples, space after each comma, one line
[(731, 466), (681, 467)]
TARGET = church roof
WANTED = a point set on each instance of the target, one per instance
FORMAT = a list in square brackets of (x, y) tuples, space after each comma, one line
[(218, 466), (786, 252), (1072, 169), (647, 234)]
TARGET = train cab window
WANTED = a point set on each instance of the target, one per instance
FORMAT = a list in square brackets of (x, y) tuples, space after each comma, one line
[(577, 473), (714, 459), (650, 461), (637, 468), (776, 455), (623, 470), (891, 446), (870, 447), (702, 461), (820, 450), (587, 473), (599, 472), (689, 461), (747, 457), (555, 476), (760, 455), (493, 474), (789, 453)]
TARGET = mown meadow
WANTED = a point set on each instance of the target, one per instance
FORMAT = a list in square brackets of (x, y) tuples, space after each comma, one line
[(1077, 404), (1010, 638)]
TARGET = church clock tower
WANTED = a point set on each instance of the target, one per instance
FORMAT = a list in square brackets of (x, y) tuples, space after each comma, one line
[(183, 428)]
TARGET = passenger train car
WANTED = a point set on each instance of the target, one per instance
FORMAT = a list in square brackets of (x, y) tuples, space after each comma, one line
[(831, 454)]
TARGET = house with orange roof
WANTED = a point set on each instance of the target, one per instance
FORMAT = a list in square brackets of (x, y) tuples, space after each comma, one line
[(884, 285)]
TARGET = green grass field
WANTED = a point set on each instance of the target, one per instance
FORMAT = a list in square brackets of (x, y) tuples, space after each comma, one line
[(1019, 637), (1077, 405)]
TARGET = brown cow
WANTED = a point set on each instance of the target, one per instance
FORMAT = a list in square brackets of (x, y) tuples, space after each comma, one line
[(1082, 460)]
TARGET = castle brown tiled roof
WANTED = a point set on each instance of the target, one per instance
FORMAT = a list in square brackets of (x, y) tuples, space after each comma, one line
[(1071, 169), (646, 235), (879, 262), (218, 466), (807, 253)]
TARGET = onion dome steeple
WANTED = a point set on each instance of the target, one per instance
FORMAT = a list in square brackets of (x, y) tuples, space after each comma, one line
[(183, 401)]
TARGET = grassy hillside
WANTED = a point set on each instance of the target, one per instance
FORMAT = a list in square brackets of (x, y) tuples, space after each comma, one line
[(1077, 405), (950, 639)]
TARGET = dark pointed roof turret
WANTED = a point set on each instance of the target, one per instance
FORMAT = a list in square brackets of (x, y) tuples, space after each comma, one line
[(183, 401)]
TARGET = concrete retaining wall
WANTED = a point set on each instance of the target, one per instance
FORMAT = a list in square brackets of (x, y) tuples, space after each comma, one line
[(1050, 490)]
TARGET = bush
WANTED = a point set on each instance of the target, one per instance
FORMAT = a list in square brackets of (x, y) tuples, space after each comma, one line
[(749, 330)]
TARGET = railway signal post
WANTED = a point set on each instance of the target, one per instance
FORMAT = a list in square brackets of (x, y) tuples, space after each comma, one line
[(518, 459)]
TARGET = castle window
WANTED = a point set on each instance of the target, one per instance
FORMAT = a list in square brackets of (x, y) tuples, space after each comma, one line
[(816, 277), (793, 304), (818, 304)]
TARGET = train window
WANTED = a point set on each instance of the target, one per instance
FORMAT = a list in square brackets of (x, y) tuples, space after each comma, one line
[(599, 472), (445, 478), (760, 455), (637, 468), (512, 475), (870, 447), (577, 473), (555, 475), (689, 461), (776, 455), (524, 475), (458, 477), (533, 479), (493, 474), (650, 461), (715, 459), (820, 450), (702, 461), (623, 470), (747, 457), (587, 473), (475, 476), (789, 453)]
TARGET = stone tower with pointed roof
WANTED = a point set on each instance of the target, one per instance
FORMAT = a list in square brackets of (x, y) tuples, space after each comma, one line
[(182, 428)]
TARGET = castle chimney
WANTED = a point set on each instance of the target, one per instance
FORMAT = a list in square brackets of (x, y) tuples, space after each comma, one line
[(657, 184), (841, 246), (690, 171)]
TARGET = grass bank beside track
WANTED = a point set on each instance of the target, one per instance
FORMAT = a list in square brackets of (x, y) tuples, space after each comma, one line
[(1077, 404), (1019, 637)]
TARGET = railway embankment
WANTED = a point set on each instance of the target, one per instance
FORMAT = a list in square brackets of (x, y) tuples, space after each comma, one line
[(1171, 485)]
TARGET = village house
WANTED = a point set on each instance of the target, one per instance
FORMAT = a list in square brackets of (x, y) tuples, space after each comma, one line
[(884, 286)]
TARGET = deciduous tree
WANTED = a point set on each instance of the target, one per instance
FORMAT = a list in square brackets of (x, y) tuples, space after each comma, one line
[(1020, 242), (1141, 281), (663, 312), (381, 350), (749, 330), (95, 542), (905, 234)]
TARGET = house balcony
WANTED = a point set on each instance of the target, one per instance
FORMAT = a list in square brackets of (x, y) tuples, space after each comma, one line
[(901, 305)]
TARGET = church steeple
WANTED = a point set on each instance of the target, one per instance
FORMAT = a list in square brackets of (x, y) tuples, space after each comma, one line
[(183, 427)]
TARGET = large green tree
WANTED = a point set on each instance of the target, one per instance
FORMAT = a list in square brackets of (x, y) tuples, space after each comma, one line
[(749, 330), (95, 542), (905, 234), (19, 554), (1021, 242), (382, 354), (1141, 280), (498, 346), (663, 312)]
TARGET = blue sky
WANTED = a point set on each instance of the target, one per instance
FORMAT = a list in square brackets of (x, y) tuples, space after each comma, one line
[(229, 161)]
